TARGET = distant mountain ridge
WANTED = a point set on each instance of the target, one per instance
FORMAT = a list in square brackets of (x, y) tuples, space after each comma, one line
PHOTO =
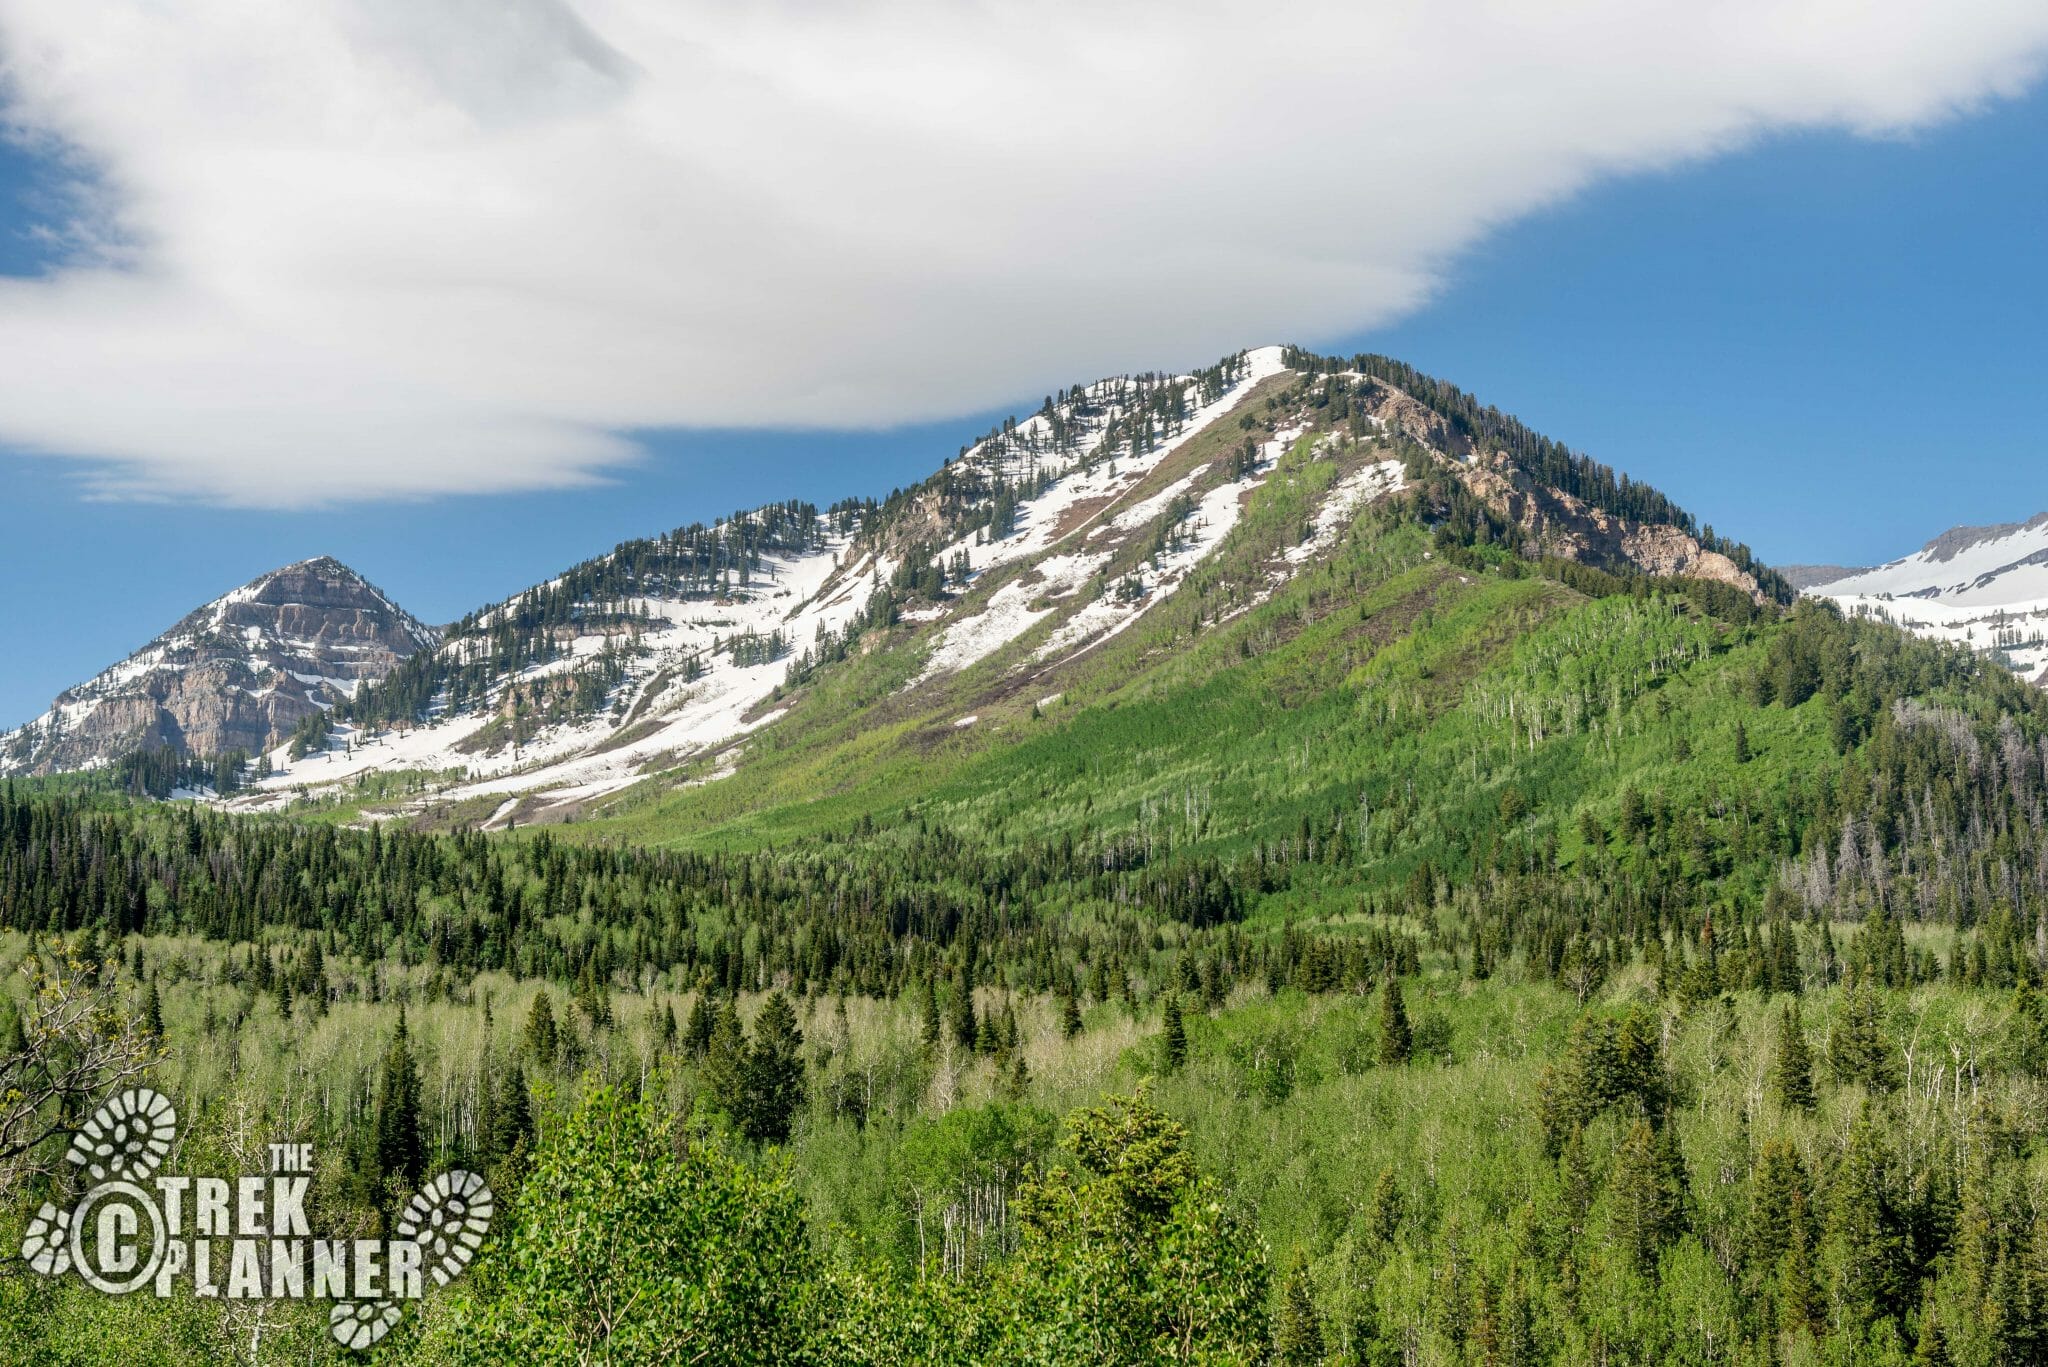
[(238, 673), (1804, 577), (1984, 587), (1010, 568), (983, 587)]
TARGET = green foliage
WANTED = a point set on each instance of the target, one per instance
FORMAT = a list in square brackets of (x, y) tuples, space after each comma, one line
[(1859, 1049), (1646, 1194), (399, 1151), (1397, 1042), (630, 1244), (1792, 1068), (1297, 1328), (1173, 1036), (772, 1075), (1131, 1256), (1565, 835)]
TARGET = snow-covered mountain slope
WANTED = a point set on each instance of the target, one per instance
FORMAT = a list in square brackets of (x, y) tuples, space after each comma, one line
[(237, 674), (1008, 536), (1010, 567), (1984, 587), (1012, 573)]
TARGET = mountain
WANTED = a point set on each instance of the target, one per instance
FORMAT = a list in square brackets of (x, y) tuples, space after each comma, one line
[(237, 674), (1803, 577), (1984, 587), (987, 588), (1485, 888)]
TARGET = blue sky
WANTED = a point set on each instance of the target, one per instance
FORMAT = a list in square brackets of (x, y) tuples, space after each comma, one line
[(1828, 346)]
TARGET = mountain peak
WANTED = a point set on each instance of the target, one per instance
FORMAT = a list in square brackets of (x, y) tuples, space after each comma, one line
[(1956, 540), (1982, 587), (238, 673)]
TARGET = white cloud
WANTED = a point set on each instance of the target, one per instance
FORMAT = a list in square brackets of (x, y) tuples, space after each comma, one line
[(372, 248)]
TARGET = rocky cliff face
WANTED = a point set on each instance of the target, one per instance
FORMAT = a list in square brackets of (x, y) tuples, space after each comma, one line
[(238, 674), (1558, 524)]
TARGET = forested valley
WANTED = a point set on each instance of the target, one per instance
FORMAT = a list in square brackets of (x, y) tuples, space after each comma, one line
[(1460, 957)]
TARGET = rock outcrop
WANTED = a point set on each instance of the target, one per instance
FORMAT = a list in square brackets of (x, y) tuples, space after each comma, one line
[(1556, 523), (238, 674)]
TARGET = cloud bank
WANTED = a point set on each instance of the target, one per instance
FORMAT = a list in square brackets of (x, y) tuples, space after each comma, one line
[(359, 249)]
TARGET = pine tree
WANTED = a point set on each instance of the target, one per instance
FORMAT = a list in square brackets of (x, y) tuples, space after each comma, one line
[(488, 1100), (513, 1133), (400, 1152), (1070, 1015), (965, 1027), (1799, 1305), (724, 1074), (1858, 1048), (697, 1029), (774, 1073), (1866, 1242), (1932, 1350), (1575, 1180), (1383, 1212), (2028, 1031), (1777, 1196), (153, 1011), (1792, 1070), (930, 1029), (542, 1037), (1397, 1041), (1297, 1328), (1173, 1039), (1647, 1194), (594, 999)]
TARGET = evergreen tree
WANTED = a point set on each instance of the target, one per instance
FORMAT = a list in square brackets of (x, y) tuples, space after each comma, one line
[(1397, 1041), (1867, 1245), (723, 1078), (965, 1027), (1777, 1197), (400, 1151), (1858, 1048), (1070, 1015), (513, 1131), (1647, 1194), (929, 1027), (1799, 1304), (1932, 1349), (1173, 1039), (542, 1037), (1297, 1328), (1792, 1069), (1383, 1212), (697, 1029), (773, 1081), (152, 1011), (2028, 1031)]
